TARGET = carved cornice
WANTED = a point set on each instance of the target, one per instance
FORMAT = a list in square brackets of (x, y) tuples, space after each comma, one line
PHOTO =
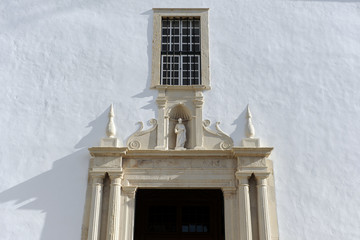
[(229, 153), (252, 152), (108, 151)]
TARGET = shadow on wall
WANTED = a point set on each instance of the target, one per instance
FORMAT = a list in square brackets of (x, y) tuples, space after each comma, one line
[(60, 192), (147, 92), (240, 131)]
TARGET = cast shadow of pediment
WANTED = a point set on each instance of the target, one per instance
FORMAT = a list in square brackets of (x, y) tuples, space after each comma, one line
[(240, 129), (60, 192)]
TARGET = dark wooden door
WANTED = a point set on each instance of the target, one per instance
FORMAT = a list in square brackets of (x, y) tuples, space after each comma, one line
[(179, 215)]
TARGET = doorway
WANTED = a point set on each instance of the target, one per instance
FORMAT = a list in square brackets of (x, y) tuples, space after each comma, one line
[(169, 214)]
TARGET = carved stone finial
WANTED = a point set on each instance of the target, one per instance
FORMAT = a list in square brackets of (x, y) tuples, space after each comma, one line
[(111, 129), (250, 127)]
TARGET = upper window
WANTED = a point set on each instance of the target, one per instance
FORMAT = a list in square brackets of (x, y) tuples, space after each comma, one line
[(180, 48), (180, 51)]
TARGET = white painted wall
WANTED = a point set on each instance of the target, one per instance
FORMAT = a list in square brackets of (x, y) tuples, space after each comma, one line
[(63, 62)]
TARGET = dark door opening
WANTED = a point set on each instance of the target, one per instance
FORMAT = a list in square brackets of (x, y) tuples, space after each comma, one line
[(179, 214)]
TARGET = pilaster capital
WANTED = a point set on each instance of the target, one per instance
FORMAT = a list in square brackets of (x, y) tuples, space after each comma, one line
[(228, 192), (115, 178), (161, 102), (198, 101), (129, 191), (261, 178), (97, 178), (97, 175), (242, 175), (243, 178), (262, 175)]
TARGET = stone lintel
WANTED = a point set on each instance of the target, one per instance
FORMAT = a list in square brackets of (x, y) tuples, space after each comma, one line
[(188, 153)]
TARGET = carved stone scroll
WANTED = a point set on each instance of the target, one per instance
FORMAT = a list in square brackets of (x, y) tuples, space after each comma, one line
[(216, 139), (143, 139)]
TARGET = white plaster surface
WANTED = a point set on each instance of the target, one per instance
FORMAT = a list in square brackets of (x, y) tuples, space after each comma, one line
[(62, 63)]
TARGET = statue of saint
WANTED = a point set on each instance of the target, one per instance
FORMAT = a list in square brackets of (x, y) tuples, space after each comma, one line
[(180, 131)]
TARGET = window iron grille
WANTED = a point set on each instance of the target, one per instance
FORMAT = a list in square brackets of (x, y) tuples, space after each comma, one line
[(180, 51)]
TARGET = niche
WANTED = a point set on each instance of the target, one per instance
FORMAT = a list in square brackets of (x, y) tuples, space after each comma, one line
[(179, 111)]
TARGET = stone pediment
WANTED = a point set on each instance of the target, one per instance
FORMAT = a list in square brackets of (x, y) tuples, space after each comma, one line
[(212, 139)]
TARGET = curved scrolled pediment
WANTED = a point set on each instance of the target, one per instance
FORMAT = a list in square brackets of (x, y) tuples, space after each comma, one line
[(143, 139), (216, 139)]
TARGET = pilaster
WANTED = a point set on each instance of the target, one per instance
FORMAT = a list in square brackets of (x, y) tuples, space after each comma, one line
[(113, 228), (244, 206), (198, 102), (96, 203), (129, 193), (263, 206), (229, 196), (161, 132)]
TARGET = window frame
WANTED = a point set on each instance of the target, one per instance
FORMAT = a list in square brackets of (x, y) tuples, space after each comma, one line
[(160, 13)]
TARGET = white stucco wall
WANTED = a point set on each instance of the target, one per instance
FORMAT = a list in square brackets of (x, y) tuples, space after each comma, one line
[(63, 62)]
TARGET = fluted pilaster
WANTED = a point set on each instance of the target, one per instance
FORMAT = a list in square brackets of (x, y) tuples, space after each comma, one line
[(244, 206), (229, 196), (263, 207), (96, 203), (129, 192), (113, 228)]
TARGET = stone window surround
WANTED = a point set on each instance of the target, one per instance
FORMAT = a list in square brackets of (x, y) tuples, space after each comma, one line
[(159, 13)]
